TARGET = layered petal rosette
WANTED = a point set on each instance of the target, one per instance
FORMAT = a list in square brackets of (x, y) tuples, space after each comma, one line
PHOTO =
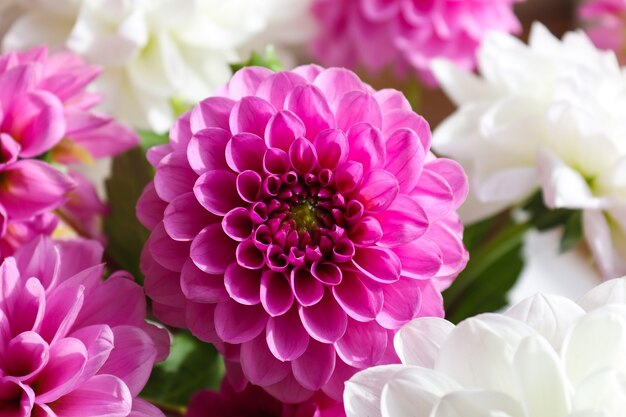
[(46, 115), (606, 20), (548, 116), (70, 344), (406, 35), (297, 220), (546, 356)]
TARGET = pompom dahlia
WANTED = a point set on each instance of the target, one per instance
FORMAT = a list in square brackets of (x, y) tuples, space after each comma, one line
[(548, 116), (71, 345), (407, 34), (606, 21), (546, 356), (298, 219), (46, 115)]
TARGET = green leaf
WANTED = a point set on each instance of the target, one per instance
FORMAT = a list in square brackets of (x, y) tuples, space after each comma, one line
[(270, 60), (494, 266), (150, 139), (191, 366), (542, 217), (573, 232), (130, 173)]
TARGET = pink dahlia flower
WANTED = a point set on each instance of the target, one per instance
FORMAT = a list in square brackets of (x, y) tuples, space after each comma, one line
[(254, 402), (406, 34), (607, 24), (298, 219), (70, 344)]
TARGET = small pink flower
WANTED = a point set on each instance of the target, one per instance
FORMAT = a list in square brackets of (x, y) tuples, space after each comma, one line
[(407, 34), (70, 344), (298, 220), (17, 233), (254, 402), (607, 24)]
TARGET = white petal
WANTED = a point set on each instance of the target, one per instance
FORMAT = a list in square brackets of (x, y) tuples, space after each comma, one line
[(609, 292), (478, 404), (604, 390), (460, 85), (418, 342), (363, 391), (599, 238)]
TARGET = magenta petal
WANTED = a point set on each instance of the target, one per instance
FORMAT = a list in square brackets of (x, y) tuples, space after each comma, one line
[(286, 337), (357, 107), (99, 341), (403, 300), (171, 316), (171, 254), (212, 251), (379, 264), (398, 119), (335, 82), (283, 128), (9, 149), (367, 146), (276, 161), (211, 112), (250, 115), (246, 81), (332, 148), (184, 217), (200, 286), (25, 355), (33, 187), (276, 87), (245, 151), (276, 294), (150, 207), (238, 323), (200, 319), (366, 232), (327, 273), (335, 386), (348, 176), (16, 81), (243, 284), (325, 321), (217, 191), (132, 357), (38, 258), (314, 368), (174, 176), (16, 400), (360, 299), (454, 175), (432, 301), (302, 155), (434, 194), (161, 284), (67, 360), (378, 190), (259, 365), (289, 391), (421, 259), (363, 344), (101, 396), (389, 99), (63, 304), (403, 222), (156, 154), (180, 133), (237, 224), (205, 151), (310, 105), (26, 309), (143, 408), (249, 185), (405, 158), (307, 290)]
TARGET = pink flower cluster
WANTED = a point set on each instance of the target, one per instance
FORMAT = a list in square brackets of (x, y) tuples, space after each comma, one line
[(46, 115), (297, 220), (406, 34), (607, 24), (71, 345)]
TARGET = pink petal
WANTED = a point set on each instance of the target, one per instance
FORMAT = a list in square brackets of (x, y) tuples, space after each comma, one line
[(276, 294), (362, 301), (335, 386), (432, 301), (405, 158), (150, 207), (212, 251), (277, 86), (259, 365), (245, 151), (75, 256), (143, 408), (327, 273), (286, 338), (243, 284), (336, 82), (250, 115), (206, 148), (379, 264), (307, 290), (180, 133), (63, 304), (161, 284), (452, 172), (16, 81), (67, 360), (217, 191), (403, 222), (33, 187), (378, 190), (237, 224), (184, 217), (389, 99), (367, 146), (101, 396), (357, 107), (171, 254), (200, 286), (325, 321), (363, 344), (402, 303), (398, 119), (332, 148), (348, 176), (302, 155), (132, 357), (434, 194), (283, 128), (237, 323), (366, 232), (249, 185), (212, 112), (289, 391), (174, 176), (9, 149), (25, 355), (38, 258), (156, 154), (201, 321), (99, 341), (16, 400), (421, 259), (314, 368), (246, 81), (310, 105)]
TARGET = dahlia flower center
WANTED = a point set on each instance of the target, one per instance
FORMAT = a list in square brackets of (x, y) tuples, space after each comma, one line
[(304, 215)]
